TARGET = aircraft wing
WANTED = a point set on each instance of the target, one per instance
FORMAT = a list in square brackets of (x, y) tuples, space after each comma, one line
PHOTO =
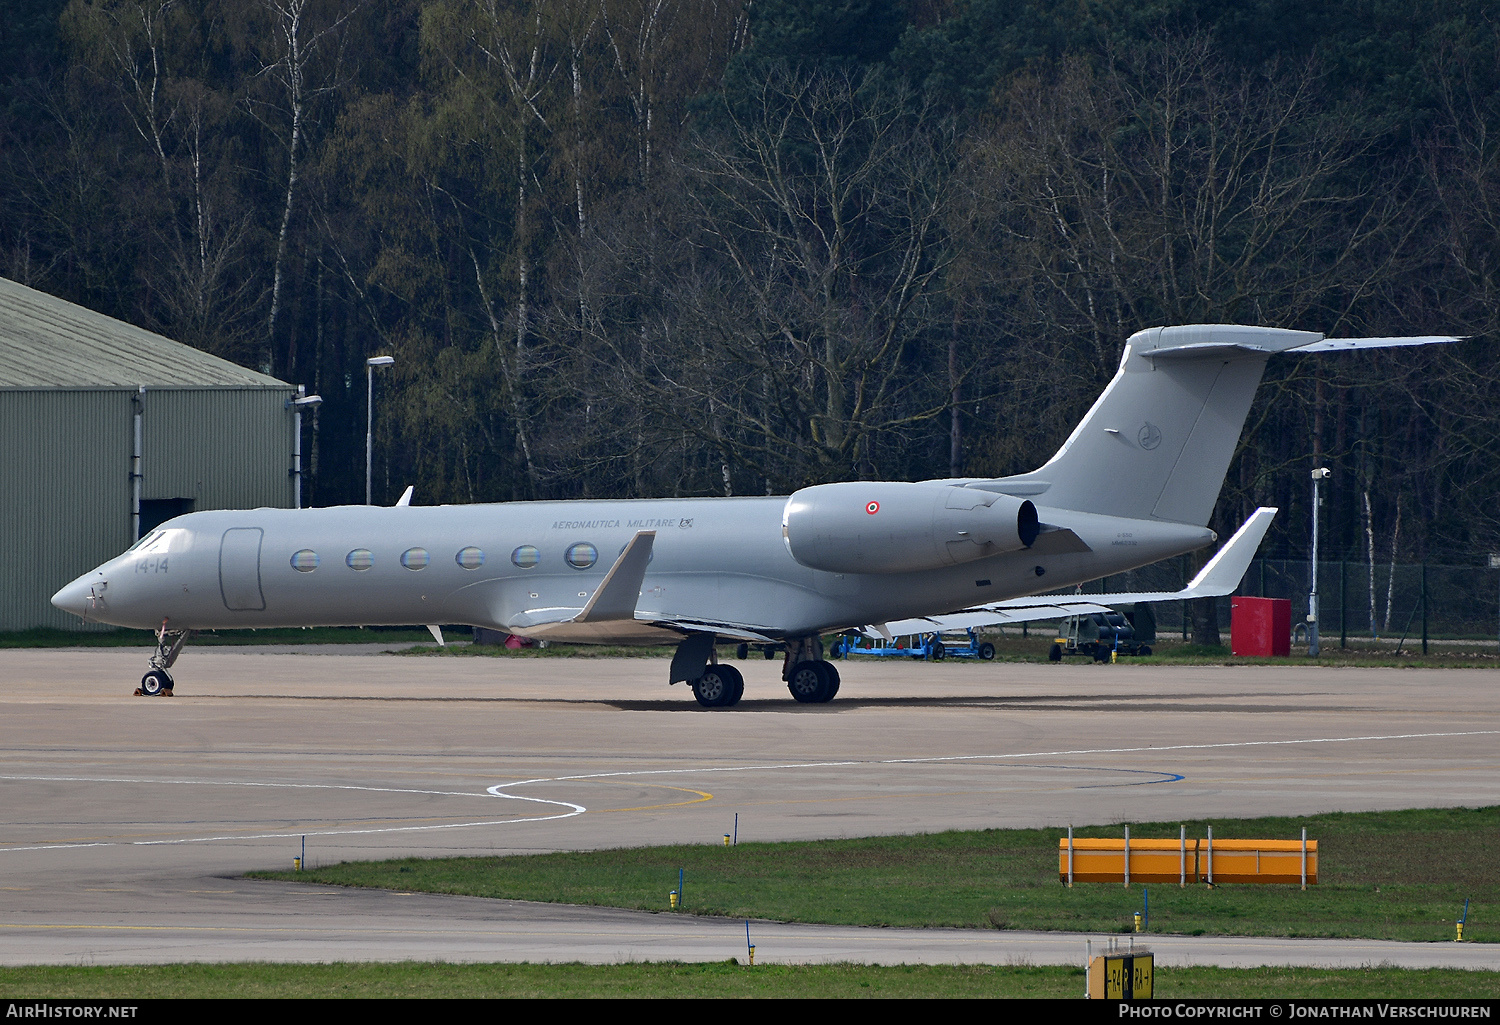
[(610, 612), (1220, 576), (737, 631), (611, 616)]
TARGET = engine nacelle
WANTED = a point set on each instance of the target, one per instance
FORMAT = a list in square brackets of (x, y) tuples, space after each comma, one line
[(888, 527)]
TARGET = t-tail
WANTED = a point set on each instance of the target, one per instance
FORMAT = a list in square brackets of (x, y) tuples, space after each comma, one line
[(1158, 442)]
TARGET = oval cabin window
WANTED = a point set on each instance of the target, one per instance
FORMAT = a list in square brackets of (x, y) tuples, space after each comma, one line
[(582, 555)]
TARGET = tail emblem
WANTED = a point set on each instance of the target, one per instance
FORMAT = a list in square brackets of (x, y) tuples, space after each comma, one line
[(1150, 436)]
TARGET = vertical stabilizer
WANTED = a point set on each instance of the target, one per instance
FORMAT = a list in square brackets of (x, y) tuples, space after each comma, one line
[(1157, 443)]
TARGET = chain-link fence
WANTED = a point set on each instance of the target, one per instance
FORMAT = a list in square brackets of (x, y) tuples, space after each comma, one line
[(1409, 599)]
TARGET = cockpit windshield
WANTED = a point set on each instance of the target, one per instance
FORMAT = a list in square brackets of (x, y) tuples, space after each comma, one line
[(143, 542)]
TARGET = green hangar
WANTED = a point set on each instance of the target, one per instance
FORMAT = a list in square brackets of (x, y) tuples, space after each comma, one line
[(107, 430)]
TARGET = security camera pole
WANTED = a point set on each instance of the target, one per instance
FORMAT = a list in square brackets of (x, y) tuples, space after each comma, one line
[(303, 401), (370, 365), (1321, 473)]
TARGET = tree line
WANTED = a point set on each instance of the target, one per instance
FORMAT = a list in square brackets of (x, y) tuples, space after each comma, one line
[(714, 247)]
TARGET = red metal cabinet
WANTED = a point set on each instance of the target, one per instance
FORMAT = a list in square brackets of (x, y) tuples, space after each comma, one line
[(1260, 627)]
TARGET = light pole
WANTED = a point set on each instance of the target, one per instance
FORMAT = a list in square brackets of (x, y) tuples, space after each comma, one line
[(370, 365), (1321, 473), (297, 405)]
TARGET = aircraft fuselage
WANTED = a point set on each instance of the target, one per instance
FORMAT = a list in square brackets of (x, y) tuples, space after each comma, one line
[(514, 566)]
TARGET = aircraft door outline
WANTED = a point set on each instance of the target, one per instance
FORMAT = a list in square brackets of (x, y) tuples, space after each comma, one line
[(239, 569)]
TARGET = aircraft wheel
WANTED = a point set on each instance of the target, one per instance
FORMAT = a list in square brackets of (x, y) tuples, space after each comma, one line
[(719, 686), (769, 652), (810, 682), (1054, 653), (987, 651), (155, 683), (742, 652)]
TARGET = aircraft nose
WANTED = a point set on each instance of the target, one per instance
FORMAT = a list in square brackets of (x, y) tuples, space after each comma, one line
[(77, 597)]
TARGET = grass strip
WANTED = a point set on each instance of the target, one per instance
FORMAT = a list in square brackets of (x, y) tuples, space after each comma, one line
[(714, 979), (1400, 875)]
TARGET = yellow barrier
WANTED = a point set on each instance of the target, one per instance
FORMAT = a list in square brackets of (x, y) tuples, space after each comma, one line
[(1103, 860), (1258, 861)]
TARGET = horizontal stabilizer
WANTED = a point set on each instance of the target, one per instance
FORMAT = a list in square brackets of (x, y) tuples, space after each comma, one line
[(1342, 344)]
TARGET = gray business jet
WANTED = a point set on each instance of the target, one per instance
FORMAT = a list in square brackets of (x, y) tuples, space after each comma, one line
[(1135, 482)]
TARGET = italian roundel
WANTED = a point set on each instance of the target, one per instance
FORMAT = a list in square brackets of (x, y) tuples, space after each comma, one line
[(872, 508)]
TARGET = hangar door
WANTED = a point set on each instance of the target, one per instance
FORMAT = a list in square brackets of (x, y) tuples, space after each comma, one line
[(239, 569)]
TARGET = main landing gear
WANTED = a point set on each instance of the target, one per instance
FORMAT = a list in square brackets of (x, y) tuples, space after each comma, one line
[(811, 679), (719, 687), (157, 683)]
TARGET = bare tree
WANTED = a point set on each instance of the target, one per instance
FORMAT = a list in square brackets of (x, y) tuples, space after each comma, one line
[(145, 51), (1169, 188), (793, 338), (302, 33)]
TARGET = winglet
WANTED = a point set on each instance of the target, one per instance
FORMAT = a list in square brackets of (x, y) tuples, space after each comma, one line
[(1223, 573), (617, 596), (405, 498)]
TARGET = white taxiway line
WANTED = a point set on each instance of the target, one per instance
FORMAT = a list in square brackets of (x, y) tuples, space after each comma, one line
[(572, 810), (1018, 754), (578, 809)]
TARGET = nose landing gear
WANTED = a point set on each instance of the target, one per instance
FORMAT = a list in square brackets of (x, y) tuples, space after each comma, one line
[(157, 683)]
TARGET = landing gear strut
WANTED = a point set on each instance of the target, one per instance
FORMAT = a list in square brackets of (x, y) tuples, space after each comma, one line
[(158, 682), (810, 678)]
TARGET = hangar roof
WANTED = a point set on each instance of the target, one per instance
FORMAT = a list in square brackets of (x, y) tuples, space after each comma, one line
[(47, 342)]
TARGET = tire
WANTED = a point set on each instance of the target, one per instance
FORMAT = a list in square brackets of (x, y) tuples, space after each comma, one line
[(937, 651), (833, 680), (719, 686), (739, 690), (155, 683), (742, 652), (987, 652), (810, 683), (1054, 653)]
